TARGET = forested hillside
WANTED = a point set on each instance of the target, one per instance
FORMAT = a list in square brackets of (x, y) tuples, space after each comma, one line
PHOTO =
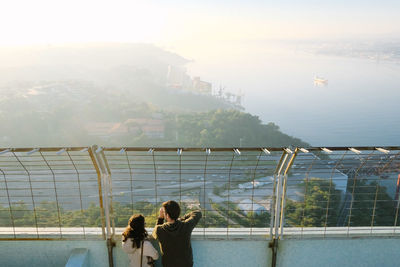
[(116, 95)]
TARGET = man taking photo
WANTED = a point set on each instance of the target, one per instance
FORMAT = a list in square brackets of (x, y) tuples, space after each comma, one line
[(173, 234)]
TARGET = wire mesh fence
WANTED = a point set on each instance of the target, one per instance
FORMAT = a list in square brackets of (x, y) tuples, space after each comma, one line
[(248, 192), (49, 193), (233, 188), (343, 191)]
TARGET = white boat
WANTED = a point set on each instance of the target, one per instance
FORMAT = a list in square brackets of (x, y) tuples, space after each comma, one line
[(319, 80)]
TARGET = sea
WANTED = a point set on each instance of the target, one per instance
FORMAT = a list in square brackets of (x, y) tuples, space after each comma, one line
[(358, 106)]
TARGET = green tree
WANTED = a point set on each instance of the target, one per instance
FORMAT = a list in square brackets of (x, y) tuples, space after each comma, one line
[(219, 128), (371, 206), (320, 206)]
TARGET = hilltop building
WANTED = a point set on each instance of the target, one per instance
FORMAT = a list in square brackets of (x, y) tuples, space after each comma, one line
[(178, 79), (201, 87)]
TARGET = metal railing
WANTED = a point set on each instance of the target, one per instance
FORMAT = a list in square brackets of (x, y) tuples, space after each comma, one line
[(83, 193), (343, 191), (220, 182), (50, 193)]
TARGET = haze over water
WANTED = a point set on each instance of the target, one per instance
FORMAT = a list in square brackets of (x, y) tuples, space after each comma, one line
[(358, 107), (228, 42)]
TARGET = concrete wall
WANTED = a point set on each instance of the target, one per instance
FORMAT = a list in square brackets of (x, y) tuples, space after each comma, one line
[(218, 253), (339, 252), (49, 253), (331, 252), (56, 253)]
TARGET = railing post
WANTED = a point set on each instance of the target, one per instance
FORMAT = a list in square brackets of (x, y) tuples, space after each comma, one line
[(99, 183), (273, 199), (107, 198), (276, 211), (278, 195), (108, 182), (278, 206), (285, 175)]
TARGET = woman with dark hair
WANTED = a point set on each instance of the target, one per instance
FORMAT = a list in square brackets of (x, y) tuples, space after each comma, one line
[(135, 243)]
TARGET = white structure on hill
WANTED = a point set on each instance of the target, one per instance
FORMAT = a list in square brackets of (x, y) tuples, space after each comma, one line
[(246, 206)]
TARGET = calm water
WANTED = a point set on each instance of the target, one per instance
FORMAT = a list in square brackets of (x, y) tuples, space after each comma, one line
[(359, 106)]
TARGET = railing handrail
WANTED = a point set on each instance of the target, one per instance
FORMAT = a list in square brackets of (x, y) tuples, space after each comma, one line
[(278, 170)]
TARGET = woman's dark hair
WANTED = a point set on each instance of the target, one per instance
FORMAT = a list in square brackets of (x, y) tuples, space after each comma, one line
[(172, 208), (135, 230)]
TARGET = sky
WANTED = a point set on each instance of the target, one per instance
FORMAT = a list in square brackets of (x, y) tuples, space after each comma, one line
[(193, 23)]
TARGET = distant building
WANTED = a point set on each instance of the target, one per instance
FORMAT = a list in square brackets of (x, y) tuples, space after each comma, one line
[(256, 183), (177, 78), (201, 87), (246, 206), (239, 98)]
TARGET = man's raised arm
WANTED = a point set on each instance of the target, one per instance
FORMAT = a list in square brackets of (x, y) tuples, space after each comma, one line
[(192, 218), (160, 221)]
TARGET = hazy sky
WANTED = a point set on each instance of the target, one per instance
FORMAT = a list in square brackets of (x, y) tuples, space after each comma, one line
[(186, 23)]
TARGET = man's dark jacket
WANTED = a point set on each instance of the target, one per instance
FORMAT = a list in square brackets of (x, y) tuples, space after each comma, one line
[(174, 239)]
